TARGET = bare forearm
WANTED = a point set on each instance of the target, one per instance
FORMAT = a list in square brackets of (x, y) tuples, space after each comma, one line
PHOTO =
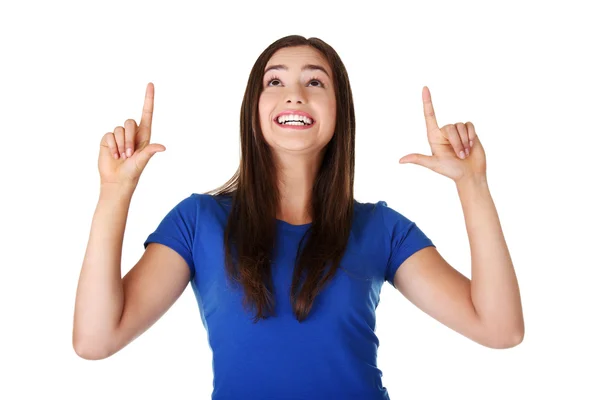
[(494, 286), (99, 299)]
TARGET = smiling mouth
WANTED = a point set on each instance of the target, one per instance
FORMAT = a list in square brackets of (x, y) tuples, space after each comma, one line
[(294, 118), (295, 123)]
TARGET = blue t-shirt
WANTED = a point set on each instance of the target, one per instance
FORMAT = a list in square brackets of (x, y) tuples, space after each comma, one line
[(330, 355)]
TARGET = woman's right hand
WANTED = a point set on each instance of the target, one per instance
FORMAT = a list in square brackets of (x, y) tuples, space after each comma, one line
[(125, 152)]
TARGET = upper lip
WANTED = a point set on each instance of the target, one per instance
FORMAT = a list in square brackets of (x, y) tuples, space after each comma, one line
[(293, 112)]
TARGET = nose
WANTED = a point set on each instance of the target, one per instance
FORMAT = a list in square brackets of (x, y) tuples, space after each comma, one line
[(295, 94)]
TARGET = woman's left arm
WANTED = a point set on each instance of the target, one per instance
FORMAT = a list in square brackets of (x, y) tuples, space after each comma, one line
[(494, 287), (487, 308)]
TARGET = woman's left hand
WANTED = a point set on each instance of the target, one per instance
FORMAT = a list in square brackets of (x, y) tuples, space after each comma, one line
[(456, 150)]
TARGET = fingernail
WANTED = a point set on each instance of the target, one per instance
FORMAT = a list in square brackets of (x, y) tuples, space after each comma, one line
[(116, 156), (462, 154), (129, 152), (471, 143), (467, 150), (123, 155)]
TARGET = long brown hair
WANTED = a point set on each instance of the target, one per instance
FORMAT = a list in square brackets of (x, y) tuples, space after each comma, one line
[(253, 190)]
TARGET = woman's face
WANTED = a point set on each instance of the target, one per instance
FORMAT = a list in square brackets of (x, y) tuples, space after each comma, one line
[(294, 85)]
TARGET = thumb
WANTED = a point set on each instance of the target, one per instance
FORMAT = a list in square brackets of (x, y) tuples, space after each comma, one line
[(147, 153), (419, 159)]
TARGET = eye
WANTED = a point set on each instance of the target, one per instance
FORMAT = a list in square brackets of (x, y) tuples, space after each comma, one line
[(275, 78), (314, 79)]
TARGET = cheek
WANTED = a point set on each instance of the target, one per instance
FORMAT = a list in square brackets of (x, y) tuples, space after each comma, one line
[(331, 111), (263, 114), (265, 107)]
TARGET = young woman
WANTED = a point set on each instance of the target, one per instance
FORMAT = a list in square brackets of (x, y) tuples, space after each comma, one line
[(286, 265)]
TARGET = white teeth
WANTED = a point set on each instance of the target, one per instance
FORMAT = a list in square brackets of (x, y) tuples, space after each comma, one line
[(294, 123), (293, 120)]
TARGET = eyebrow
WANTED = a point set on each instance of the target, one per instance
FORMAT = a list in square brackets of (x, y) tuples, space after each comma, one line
[(304, 68)]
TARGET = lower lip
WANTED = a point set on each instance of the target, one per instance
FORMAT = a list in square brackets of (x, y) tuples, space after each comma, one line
[(295, 126)]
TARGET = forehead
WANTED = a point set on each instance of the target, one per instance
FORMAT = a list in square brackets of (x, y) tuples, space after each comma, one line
[(295, 57)]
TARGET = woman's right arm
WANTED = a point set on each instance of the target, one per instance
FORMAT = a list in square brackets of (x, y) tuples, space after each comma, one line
[(111, 311), (99, 298)]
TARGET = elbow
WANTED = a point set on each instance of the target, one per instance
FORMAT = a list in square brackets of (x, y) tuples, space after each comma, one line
[(503, 334), (88, 350), (507, 341)]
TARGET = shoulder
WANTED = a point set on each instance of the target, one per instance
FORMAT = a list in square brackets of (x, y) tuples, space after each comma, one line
[(391, 218), (199, 202), (380, 213), (402, 230), (188, 209)]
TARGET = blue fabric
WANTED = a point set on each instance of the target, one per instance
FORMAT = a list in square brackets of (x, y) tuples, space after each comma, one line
[(330, 355)]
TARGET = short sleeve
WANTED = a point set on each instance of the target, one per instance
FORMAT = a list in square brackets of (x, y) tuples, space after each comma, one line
[(405, 239), (177, 230)]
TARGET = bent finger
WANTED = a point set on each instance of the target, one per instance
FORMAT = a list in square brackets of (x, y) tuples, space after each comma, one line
[(130, 130), (464, 136), (120, 139), (108, 141), (454, 138)]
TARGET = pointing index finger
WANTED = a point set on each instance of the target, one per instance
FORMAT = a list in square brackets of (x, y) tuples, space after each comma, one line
[(430, 120), (147, 111)]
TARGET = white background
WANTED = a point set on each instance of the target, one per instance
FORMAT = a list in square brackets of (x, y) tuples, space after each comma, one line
[(525, 73)]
